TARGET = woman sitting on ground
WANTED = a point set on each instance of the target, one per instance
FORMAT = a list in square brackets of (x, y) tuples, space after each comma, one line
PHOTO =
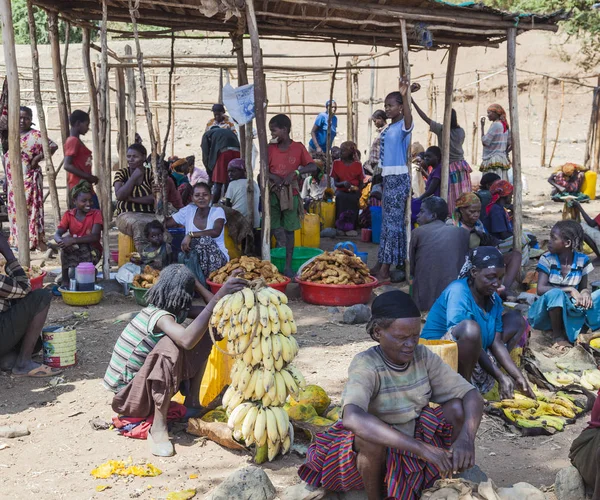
[(205, 232), (565, 304), (469, 312), (348, 176), (466, 215), (389, 438), (567, 180), (431, 169), (155, 354), (84, 227)]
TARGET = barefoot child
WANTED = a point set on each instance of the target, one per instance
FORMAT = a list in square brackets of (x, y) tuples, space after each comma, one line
[(565, 304), (84, 225), (288, 160), (156, 253), (156, 353)]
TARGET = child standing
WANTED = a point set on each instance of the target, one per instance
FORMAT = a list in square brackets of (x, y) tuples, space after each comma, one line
[(84, 225), (156, 253), (78, 158), (288, 160), (565, 304)]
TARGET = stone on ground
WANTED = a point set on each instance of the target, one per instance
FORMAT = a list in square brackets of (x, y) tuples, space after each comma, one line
[(474, 474), (248, 482), (357, 314), (303, 491), (569, 484)]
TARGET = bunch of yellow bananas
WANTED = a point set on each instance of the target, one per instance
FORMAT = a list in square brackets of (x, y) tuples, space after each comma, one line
[(558, 379), (549, 412), (590, 379), (258, 325)]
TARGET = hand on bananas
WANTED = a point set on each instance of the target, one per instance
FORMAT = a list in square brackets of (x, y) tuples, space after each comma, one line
[(259, 326)]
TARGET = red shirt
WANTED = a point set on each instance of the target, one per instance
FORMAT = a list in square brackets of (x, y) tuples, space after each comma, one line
[(81, 158), (353, 173), (81, 228), (282, 163)]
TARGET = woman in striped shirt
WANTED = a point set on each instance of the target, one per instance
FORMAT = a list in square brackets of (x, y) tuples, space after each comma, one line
[(565, 304)]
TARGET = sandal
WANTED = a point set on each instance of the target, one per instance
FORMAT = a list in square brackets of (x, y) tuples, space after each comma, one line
[(41, 371)]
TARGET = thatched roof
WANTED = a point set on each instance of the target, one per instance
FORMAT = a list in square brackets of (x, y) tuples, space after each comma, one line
[(431, 23)]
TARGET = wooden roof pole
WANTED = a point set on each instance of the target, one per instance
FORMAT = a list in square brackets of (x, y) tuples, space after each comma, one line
[(152, 137), (130, 76), (121, 116), (260, 99), (14, 139), (65, 78), (327, 151), (448, 93), (63, 113), (404, 67), (516, 143), (35, 68), (104, 184)]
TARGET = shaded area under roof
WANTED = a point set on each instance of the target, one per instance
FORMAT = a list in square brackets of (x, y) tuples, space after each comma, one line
[(431, 24)]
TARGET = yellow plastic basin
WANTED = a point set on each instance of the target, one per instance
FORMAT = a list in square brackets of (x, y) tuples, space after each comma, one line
[(82, 298)]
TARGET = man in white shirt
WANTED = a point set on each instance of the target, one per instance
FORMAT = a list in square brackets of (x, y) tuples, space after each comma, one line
[(236, 195)]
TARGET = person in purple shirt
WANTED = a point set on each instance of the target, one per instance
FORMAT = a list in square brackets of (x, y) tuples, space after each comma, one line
[(433, 158)]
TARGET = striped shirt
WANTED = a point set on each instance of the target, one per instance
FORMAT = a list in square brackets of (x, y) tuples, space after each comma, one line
[(13, 285), (144, 189), (132, 348), (549, 263), (397, 396)]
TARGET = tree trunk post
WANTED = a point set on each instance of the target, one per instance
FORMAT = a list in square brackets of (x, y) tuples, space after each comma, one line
[(63, 113), (448, 94), (131, 94), (349, 117), (544, 122), (121, 116)]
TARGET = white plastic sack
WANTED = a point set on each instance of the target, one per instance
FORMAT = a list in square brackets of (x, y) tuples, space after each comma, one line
[(127, 271), (239, 102)]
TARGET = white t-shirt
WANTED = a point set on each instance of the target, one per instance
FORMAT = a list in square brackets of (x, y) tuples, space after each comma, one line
[(237, 192), (186, 216)]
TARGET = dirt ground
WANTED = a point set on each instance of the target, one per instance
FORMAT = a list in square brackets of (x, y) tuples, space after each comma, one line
[(55, 460)]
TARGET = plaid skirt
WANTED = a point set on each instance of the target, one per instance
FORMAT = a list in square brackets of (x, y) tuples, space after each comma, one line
[(331, 461), (392, 247)]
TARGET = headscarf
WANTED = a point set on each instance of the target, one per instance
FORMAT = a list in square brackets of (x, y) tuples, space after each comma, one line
[(568, 169), (394, 305), (178, 163), (482, 258), (467, 199), (496, 108), (238, 164), (499, 189), (81, 187)]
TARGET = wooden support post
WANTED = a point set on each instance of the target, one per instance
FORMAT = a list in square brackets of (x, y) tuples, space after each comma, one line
[(430, 92), (14, 139), (156, 120), (448, 93), (589, 141), (174, 86), (220, 96), (35, 70), (475, 155), (63, 113), (328, 161), (560, 118), (131, 92), (513, 93), (371, 99), (544, 122), (104, 184), (94, 112), (65, 78), (303, 110), (353, 111), (121, 117), (405, 72), (596, 135), (349, 124)]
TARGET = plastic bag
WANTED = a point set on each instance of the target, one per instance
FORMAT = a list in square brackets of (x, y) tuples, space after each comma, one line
[(239, 102), (127, 271)]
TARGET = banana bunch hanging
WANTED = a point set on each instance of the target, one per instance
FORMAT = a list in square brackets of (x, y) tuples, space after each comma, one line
[(259, 327)]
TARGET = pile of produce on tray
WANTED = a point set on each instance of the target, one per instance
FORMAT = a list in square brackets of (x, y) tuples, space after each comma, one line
[(33, 271), (259, 328), (547, 413), (252, 267), (147, 278), (340, 267)]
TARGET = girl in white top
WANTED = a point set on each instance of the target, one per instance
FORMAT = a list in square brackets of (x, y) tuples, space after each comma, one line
[(204, 227)]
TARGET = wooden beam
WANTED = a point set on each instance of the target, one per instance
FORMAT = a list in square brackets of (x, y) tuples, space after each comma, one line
[(448, 94), (121, 117), (131, 91), (63, 113), (260, 99), (475, 155), (544, 122), (35, 68), (354, 110), (405, 73), (328, 140), (14, 139), (513, 93), (349, 124), (65, 78)]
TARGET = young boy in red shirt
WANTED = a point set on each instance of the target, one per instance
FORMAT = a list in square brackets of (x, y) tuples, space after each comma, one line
[(78, 158), (288, 160)]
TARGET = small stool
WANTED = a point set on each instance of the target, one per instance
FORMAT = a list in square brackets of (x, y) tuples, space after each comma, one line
[(126, 248)]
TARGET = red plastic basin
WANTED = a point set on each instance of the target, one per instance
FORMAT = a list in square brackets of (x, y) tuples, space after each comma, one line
[(38, 281), (215, 287), (336, 295)]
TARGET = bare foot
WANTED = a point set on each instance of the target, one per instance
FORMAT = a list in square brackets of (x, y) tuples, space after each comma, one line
[(382, 278), (374, 270), (160, 434)]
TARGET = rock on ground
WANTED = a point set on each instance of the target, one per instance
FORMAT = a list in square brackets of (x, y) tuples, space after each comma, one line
[(246, 483), (357, 314), (303, 491), (569, 484)]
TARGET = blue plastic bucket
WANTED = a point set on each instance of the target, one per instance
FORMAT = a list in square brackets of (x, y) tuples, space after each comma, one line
[(177, 235), (348, 245), (376, 217)]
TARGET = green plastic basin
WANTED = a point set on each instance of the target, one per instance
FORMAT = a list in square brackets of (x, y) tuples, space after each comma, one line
[(299, 257)]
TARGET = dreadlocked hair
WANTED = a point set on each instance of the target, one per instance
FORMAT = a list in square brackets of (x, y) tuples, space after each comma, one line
[(382, 323), (572, 231), (174, 290), (81, 187)]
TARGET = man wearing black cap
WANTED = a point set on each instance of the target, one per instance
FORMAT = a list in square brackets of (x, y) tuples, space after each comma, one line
[(220, 119)]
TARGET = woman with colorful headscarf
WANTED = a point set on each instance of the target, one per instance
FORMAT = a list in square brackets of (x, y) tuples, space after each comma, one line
[(568, 179), (470, 313), (496, 143)]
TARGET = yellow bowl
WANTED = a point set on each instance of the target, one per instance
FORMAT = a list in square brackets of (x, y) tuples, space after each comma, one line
[(72, 298)]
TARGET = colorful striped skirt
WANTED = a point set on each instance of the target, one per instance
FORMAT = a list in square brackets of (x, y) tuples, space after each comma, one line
[(460, 182), (331, 461)]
